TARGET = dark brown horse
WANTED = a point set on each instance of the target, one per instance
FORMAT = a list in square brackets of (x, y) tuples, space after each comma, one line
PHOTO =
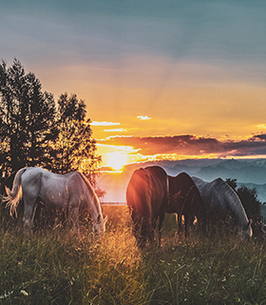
[(185, 200), (147, 196)]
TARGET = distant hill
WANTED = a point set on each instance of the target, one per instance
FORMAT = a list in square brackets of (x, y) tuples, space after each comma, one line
[(251, 173), (246, 171)]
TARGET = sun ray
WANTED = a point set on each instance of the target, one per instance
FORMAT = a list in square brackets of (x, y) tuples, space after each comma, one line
[(117, 160)]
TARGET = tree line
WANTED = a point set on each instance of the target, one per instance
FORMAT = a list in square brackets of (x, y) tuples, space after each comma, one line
[(36, 130)]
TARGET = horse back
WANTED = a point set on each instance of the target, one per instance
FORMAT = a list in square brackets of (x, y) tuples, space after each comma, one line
[(54, 190)]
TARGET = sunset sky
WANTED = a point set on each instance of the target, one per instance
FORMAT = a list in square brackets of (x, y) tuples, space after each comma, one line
[(161, 78)]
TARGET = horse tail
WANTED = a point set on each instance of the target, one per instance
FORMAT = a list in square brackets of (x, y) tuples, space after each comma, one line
[(15, 195)]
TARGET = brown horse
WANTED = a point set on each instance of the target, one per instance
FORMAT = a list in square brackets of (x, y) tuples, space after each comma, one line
[(147, 196), (185, 200)]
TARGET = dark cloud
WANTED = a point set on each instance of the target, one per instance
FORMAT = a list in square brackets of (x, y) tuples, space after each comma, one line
[(192, 145)]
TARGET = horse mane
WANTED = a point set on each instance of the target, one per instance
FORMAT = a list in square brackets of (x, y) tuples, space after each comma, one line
[(86, 180), (87, 183)]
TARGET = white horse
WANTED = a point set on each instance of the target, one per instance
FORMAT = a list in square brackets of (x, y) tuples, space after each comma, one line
[(71, 191), (220, 200)]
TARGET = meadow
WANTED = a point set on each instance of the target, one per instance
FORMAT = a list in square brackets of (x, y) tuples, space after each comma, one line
[(54, 267)]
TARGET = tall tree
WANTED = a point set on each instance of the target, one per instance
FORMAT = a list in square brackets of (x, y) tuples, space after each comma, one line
[(27, 118), (75, 148)]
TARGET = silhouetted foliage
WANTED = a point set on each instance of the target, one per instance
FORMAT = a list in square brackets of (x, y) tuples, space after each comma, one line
[(26, 119), (232, 183), (75, 148), (249, 199)]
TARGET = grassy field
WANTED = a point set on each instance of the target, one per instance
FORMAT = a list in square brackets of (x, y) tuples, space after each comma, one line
[(53, 267)]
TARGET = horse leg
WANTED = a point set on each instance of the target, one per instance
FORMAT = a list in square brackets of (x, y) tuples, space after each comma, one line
[(151, 230), (29, 213), (179, 219), (186, 224), (74, 216), (161, 219)]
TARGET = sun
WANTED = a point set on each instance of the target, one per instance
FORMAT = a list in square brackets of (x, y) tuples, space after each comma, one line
[(117, 160)]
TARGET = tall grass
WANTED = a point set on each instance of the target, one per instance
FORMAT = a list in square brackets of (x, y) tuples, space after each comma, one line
[(57, 268)]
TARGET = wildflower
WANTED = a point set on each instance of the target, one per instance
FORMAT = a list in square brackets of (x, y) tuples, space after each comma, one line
[(24, 292), (186, 276), (6, 295), (72, 281)]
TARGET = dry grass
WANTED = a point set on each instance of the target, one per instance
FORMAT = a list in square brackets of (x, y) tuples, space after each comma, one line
[(57, 268)]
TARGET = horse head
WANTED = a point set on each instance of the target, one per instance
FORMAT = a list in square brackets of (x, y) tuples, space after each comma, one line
[(246, 232), (99, 226)]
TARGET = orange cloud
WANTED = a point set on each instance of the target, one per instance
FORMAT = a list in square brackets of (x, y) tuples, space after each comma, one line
[(190, 145), (115, 130), (104, 123), (143, 117)]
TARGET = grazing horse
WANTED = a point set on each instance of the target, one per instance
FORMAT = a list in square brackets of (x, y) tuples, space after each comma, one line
[(185, 199), (71, 191), (147, 195), (221, 200)]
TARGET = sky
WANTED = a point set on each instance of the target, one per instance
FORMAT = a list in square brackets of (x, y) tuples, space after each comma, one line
[(162, 79)]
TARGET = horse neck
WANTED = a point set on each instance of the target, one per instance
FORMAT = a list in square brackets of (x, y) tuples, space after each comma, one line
[(95, 207), (237, 209), (171, 186)]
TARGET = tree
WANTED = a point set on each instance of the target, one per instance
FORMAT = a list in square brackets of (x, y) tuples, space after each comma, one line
[(75, 148), (26, 118), (249, 199)]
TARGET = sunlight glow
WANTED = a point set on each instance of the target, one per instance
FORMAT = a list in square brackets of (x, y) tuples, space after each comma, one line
[(117, 160)]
